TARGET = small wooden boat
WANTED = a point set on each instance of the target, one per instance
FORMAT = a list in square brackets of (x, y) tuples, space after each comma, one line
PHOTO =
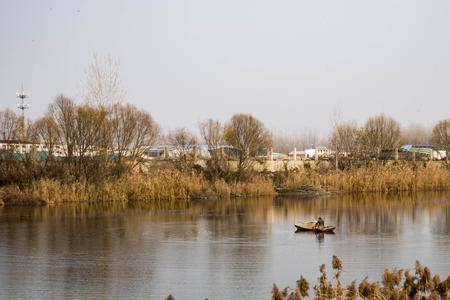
[(311, 226)]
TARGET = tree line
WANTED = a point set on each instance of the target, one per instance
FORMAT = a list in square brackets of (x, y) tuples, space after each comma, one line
[(105, 137), (94, 139), (104, 140), (383, 133)]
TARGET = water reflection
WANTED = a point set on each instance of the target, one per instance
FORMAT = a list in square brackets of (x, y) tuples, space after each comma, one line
[(215, 249)]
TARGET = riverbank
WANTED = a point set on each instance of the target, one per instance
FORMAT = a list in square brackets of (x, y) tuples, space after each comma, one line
[(377, 178), (172, 185), (159, 186)]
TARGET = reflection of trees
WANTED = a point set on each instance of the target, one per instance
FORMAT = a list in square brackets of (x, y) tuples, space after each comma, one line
[(120, 248), (85, 249), (79, 250)]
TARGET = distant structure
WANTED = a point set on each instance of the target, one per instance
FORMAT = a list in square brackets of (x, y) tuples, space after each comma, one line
[(424, 150), (317, 152), (22, 105)]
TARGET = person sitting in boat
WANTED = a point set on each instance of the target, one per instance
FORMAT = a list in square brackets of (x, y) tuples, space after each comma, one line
[(320, 224)]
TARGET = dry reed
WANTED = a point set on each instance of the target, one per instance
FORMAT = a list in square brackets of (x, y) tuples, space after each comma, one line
[(172, 185), (384, 179), (396, 285), (158, 186)]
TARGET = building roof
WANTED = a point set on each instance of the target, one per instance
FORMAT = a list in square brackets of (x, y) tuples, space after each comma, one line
[(410, 146), (15, 142)]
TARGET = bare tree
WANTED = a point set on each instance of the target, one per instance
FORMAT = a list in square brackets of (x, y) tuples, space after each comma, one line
[(344, 139), (416, 134), (183, 140), (381, 132), (123, 123), (185, 147), (89, 134), (47, 131), (132, 131), (441, 136), (309, 137), (102, 85), (212, 132), (285, 142), (146, 133), (249, 136), (63, 112), (9, 125)]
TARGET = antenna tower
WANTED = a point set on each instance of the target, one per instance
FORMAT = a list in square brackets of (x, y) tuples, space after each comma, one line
[(22, 105)]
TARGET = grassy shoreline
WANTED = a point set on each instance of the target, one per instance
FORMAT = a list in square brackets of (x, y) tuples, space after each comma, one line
[(175, 186), (377, 178), (161, 186)]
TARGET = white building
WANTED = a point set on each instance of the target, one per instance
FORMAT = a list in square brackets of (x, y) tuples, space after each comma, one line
[(321, 152), (24, 147)]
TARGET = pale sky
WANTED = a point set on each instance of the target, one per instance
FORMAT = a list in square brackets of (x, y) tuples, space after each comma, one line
[(289, 63)]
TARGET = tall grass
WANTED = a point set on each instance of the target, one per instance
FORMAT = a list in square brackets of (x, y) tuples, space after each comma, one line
[(397, 284), (384, 179), (173, 185), (157, 186)]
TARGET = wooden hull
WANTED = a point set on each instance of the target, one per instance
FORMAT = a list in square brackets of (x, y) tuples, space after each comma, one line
[(310, 226)]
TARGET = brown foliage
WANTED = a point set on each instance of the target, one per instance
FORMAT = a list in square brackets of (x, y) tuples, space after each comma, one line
[(217, 165), (441, 136), (373, 178), (396, 285), (9, 125), (379, 133), (157, 186), (248, 135)]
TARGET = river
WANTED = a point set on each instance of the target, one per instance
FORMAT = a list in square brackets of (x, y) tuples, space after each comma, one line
[(213, 249)]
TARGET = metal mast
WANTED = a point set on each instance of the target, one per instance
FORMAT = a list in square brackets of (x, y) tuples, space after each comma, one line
[(21, 105)]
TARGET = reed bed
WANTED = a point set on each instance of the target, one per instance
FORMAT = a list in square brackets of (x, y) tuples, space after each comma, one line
[(383, 179), (158, 186), (175, 186), (397, 284)]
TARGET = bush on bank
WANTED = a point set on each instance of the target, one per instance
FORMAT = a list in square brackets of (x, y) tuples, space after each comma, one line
[(174, 185)]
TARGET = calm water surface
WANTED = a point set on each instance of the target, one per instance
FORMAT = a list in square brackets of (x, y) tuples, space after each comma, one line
[(220, 250)]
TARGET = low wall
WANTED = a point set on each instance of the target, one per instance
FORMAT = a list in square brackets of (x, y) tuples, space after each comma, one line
[(291, 165), (264, 166)]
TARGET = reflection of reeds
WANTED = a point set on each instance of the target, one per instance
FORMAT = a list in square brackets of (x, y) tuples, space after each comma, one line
[(158, 186), (396, 284), (385, 179)]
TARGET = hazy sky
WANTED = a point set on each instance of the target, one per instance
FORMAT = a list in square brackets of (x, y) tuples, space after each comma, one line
[(289, 63)]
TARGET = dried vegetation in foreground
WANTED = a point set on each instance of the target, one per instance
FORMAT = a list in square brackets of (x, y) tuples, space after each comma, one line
[(397, 284)]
